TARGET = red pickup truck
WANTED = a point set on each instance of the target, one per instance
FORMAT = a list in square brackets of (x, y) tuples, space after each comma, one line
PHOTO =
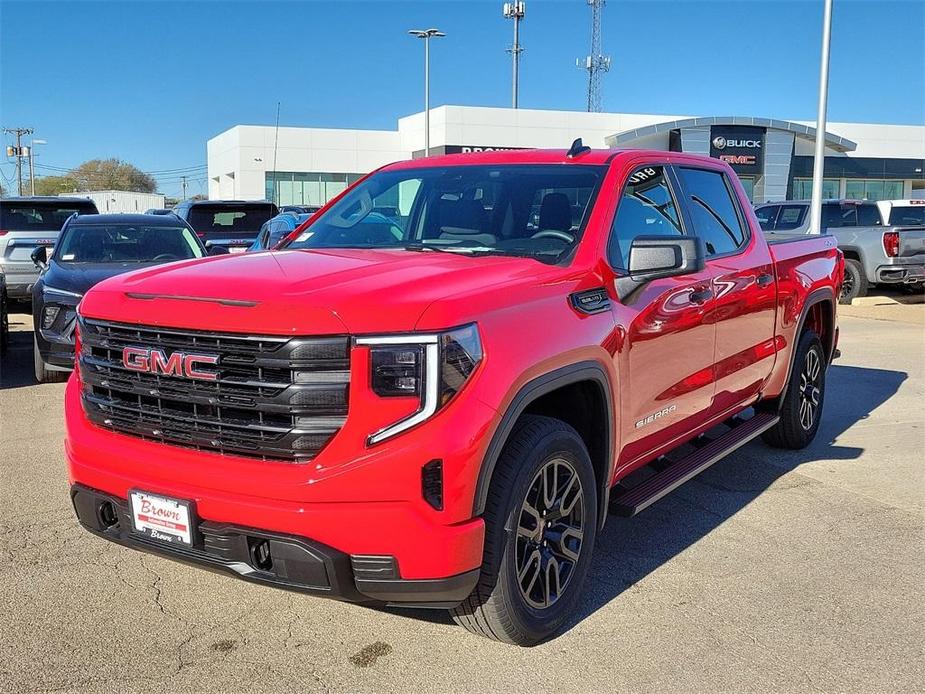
[(437, 390)]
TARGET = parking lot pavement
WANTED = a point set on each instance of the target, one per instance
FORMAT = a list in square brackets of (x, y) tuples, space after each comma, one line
[(772, 571)]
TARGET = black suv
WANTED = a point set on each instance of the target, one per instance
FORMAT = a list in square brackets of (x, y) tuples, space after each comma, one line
[(232, 224)]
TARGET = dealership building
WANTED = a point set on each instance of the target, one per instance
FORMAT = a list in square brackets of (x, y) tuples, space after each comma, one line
[(774, 158)]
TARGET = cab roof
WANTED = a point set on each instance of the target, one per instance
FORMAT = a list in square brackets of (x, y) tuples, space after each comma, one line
[(598, 157)]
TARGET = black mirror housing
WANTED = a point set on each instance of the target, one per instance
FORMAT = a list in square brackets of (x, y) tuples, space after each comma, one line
[(39, 256), (217, 250), (653, 257)]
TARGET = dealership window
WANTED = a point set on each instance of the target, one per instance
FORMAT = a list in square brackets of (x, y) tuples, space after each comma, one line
[(748, 183), (297, 188), (803, 188), (863, 189)]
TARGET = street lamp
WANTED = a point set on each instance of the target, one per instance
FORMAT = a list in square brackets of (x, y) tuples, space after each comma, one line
[(427, 35), (32, 162)]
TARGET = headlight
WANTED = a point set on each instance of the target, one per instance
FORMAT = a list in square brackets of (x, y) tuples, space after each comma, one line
[(49, 313), (432, 367)]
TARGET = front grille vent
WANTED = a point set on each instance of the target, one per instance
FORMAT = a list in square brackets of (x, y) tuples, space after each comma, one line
[(273, 398)]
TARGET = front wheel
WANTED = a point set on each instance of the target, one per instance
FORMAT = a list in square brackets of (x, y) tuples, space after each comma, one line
[(801, 409), (42, 373), (540, 525)]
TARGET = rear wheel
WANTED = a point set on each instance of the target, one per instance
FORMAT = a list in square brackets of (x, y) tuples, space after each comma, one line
[(540, 524), (854, 283), (42, 373), (801, 409)]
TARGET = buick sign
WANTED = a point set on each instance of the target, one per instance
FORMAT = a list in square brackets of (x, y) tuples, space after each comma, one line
[(740, 146)]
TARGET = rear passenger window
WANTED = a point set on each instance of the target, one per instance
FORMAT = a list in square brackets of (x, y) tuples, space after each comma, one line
[(835, 216), (868, 216), (766, 216), (790, 217), (645, 209), (712, 209)]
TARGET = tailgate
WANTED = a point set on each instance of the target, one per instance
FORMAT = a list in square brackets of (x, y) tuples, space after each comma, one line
[(19, 245), (911, 241)]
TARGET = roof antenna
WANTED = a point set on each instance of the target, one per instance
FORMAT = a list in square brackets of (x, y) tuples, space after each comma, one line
[(577, 149)]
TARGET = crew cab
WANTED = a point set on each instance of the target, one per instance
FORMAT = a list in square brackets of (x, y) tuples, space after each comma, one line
[(440, 406), (883, 242)]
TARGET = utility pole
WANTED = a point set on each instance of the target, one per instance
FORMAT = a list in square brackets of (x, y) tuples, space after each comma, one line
[(815, 205), (515, 11), (183, 183), (17, 151), (596, 63)]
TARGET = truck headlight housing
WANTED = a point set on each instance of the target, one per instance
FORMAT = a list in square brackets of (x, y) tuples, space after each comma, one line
[(432, 367)]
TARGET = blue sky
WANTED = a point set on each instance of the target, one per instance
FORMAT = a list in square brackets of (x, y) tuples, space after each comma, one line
[(150, 82)]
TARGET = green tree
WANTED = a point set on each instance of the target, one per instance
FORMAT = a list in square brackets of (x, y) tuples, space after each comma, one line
[(53, 185), (112, 174)]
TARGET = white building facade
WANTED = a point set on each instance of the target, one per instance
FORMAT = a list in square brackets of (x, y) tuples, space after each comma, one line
[(121, 201), (309, 166)]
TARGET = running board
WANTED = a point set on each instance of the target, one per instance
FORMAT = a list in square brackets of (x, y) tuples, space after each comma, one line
[(634, 500)]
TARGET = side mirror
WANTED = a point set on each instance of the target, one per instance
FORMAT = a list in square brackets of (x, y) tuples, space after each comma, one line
[(653, 257), (216, 250), (39, 256)]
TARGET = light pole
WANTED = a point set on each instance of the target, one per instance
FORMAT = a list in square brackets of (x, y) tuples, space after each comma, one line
[(32, 162), (515, 11), (427, 35), (815, 206)]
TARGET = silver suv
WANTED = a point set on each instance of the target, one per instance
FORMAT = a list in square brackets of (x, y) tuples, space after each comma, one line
[(26, 223)]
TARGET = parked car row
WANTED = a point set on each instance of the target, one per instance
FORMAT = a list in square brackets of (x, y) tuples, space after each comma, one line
[(883, 242)]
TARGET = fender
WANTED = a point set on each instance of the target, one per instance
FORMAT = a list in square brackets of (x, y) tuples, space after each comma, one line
[(815, 297), (539, 386)]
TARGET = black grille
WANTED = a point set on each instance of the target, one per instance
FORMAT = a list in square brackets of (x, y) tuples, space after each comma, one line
[(274, 398)]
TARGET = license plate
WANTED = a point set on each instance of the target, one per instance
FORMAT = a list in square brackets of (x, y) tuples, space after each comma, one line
[(162, 519), (237, 249)]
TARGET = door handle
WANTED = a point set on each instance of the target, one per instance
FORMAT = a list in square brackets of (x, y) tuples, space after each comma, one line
[(701, 296), (764, 280)]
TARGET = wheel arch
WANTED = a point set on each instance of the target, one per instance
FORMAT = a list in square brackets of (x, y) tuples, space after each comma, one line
[(586, 378)]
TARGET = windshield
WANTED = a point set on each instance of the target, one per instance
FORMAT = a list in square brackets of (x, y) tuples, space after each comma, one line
[(905, 216), (40, 216), (126, 243), (209, 219), (537, 211)]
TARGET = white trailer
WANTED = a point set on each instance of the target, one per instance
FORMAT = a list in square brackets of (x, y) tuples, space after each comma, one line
[(121, 201)]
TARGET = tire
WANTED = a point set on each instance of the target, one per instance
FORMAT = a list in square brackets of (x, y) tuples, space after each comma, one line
[(539, 449), (855, 282), (42, 373), (801, 409)]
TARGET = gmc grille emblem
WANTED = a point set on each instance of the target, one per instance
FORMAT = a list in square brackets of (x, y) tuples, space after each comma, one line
[(156, 361)]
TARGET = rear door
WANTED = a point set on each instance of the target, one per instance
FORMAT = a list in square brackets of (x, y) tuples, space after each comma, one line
[(667, 359), (742, 274)]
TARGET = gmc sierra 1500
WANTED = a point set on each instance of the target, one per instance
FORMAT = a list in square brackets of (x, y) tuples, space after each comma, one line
[(438, 406)]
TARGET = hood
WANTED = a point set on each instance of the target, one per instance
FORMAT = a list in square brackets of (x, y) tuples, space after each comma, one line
[(79, 277), (302, 292)]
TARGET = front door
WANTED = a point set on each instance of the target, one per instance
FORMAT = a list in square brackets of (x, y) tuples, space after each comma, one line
[(669, 340), (742, 273)]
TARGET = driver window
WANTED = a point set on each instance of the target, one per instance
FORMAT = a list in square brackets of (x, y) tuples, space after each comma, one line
[(646, 208)]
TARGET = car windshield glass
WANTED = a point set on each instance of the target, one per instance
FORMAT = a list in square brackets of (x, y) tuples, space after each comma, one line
[(904, 216), (537, 211), (208, 219), (33, 216), (126, 243)]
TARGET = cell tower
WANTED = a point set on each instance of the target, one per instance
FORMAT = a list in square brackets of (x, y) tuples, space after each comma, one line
[(596, 63)]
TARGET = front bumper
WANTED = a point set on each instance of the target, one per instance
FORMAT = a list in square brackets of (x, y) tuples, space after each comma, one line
[(295, 563), (900, 274)]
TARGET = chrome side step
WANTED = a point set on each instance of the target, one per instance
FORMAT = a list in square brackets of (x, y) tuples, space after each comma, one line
[(639, 497)]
